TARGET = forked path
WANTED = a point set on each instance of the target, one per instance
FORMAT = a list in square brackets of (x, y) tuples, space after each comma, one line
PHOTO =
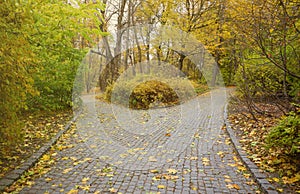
[(180, 149)]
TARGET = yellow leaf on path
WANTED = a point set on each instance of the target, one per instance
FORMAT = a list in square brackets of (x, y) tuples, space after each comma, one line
[(67, 170), (170, 177), (250, 182), (152, 159), (112, 190), (228, 180), (85, 179), (205, 161), (46, 157), (88, 159), (60, 147), (154, 171), (161, 186), (86, 187), (291, 180), (280, 190), (235, 158), (73, 191), (233, 186), (29, 183), (194, 158), (48, 179), (156, 178), (172, 171), (276, 179), (76, 163), (232, 165), (54, 154), (221, 154), (242, 168)]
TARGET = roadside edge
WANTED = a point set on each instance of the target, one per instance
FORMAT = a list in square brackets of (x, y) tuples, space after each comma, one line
[(15, 174)]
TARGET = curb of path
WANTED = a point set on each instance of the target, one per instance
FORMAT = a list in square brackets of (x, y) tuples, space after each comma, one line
[(15, 174), (260, 178)]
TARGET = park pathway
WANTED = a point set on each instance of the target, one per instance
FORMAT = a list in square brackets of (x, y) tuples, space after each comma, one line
[(179, 149)]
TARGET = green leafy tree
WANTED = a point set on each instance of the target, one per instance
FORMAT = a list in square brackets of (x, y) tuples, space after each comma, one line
[(17, 62), (59, 38), (42, 44)]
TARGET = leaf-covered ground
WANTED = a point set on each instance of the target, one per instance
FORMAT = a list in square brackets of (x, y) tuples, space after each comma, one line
[(282, 171), (38, 129)]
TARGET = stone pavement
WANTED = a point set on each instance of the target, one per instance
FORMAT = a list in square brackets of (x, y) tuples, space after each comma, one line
[(181, 149)]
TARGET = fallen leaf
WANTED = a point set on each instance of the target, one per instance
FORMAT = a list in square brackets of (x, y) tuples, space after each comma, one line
[(205, 161), (73, 191), (250, 182), (233, 186), (221, 154), (161, 186), (170, 177), (232, 165), (87, 159), (276, 179), (156, 178), (65, 158), (152, 159), (227, 180), (172, 171), (242, 168), (113, 190), (67, 170), (48, 179), (46, 157), (84, 180), (280, 190), (154, 171), (194, 158)]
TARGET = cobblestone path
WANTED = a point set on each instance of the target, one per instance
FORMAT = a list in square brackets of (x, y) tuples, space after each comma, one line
[(180, 149)]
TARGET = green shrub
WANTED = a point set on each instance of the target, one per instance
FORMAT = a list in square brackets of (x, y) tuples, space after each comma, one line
[(259, 81), (285, 136), (151, 92), (143, 93)]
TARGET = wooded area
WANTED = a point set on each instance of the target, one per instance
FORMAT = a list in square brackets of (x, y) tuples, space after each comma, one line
[(256, 46)]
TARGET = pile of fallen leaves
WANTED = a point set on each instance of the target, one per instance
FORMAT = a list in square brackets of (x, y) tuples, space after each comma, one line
[(38, 129), (281, 170)]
